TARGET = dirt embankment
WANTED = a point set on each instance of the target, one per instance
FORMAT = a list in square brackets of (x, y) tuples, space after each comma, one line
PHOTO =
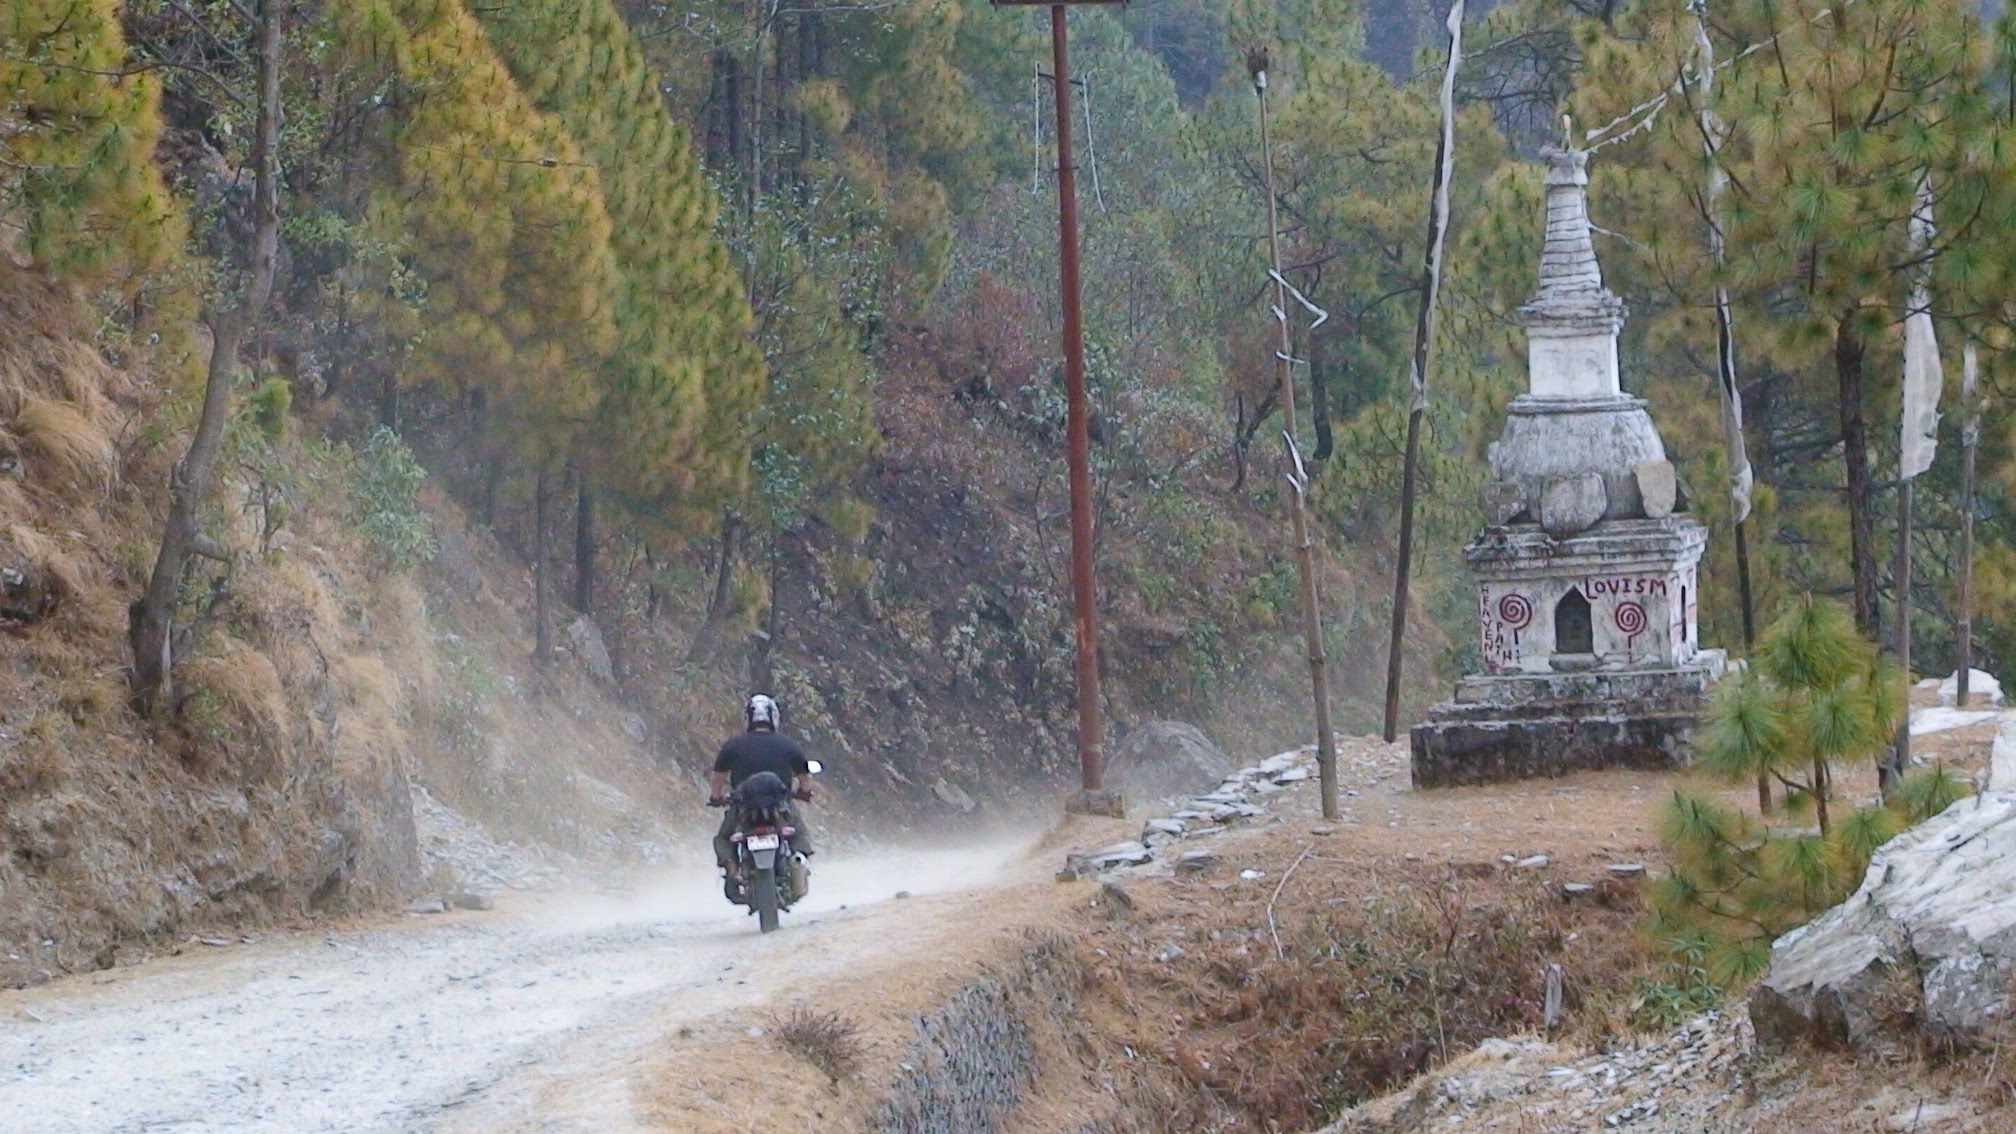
[(316, 684)]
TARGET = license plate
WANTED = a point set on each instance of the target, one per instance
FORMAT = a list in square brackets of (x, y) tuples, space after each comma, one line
[(762, 842)]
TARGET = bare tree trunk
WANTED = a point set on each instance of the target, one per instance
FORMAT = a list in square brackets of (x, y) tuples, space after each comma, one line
[(542, 610), (152, 617), (584, 550), (1822, 787), (1890, 768), (724, 577), (762, 669), (1848, 353), (493, 479), (654, 599), (1319, 396)]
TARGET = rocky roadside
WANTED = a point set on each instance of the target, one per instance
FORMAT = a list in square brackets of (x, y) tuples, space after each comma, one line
[(1686, 1081)]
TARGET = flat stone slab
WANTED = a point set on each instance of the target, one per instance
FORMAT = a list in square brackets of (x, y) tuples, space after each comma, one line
[(1119, 854), (1277, 764)]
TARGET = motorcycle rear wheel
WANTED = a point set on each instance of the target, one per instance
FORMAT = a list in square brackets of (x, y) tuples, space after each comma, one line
[(763, 896)]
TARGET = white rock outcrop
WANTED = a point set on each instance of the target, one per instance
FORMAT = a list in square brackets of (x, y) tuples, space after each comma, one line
[(1931, 931)]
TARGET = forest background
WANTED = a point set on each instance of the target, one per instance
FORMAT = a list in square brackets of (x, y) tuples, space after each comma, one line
[(718, 342)]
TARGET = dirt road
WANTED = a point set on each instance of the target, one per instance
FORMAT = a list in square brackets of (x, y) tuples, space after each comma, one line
[(521, 1019)]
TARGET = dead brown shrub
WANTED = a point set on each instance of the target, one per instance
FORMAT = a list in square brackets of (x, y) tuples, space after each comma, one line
[(1371, 989), (61, 442), (827, 1040)]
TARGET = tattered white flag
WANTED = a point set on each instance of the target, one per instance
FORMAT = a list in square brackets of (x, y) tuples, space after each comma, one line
[(1970, 394), (1923, 376), (1438, 223), (1713, 134)]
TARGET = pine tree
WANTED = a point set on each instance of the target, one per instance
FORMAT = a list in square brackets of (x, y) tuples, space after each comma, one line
[(77, 170), (670, 443), (1816, 696)]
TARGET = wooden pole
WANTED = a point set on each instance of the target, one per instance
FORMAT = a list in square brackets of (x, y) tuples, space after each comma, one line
[(1305, 555), (1424, 347), (1970, 439)]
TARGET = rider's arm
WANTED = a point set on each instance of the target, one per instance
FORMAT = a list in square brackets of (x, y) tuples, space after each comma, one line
[(717, 785)]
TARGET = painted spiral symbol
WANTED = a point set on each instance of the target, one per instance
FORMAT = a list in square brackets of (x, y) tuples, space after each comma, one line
[(1515, 611), (1630, 617)]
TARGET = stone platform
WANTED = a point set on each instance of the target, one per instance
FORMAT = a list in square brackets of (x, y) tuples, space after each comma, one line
[(1531, 726)]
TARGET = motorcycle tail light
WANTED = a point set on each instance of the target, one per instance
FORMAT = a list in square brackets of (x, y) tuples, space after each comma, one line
[(736, 837), (790, 831)]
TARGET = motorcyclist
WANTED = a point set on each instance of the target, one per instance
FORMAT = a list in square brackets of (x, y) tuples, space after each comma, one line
[(759, 749)]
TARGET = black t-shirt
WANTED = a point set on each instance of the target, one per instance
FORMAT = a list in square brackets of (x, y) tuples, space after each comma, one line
[(754, 752)]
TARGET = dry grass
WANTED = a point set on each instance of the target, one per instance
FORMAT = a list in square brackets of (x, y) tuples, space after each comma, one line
[(827, 1040), (63, 438)]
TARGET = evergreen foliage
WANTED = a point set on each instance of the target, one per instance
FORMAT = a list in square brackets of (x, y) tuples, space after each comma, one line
[(77, 172), (1816, 695), (684, 378)]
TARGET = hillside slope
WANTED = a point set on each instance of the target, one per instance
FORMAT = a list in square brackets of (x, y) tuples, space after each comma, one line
[(316, 687)]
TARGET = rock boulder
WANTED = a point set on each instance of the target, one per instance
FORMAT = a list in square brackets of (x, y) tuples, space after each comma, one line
[(1931, 932), (1167, 759)]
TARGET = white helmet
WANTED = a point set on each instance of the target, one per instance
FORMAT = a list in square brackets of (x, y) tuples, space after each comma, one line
[(761, 711)]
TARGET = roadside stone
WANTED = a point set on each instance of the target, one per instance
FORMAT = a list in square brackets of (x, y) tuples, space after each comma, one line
[(584, 639), (1533, 862), (1196, 861), (1174, 827), (1928, 1117), (1162, 758), (634, 728), (427, 906), (1280, 764), (471, 900), (1573, 890), (954, 797), (1119, 854), (1627, 869)]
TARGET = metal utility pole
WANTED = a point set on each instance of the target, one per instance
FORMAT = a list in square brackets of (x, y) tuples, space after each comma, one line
[(1092, 797), (1305, 554)]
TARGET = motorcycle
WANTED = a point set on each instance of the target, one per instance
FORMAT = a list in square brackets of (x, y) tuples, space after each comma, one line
[(771, 876)]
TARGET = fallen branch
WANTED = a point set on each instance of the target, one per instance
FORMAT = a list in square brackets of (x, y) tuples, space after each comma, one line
[(1274, 930)]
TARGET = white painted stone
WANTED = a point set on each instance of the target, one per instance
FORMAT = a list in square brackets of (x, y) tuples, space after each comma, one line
[(1983, 691), (1658, 488), (1572, 504), (1578, 366), (1943, 719)]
